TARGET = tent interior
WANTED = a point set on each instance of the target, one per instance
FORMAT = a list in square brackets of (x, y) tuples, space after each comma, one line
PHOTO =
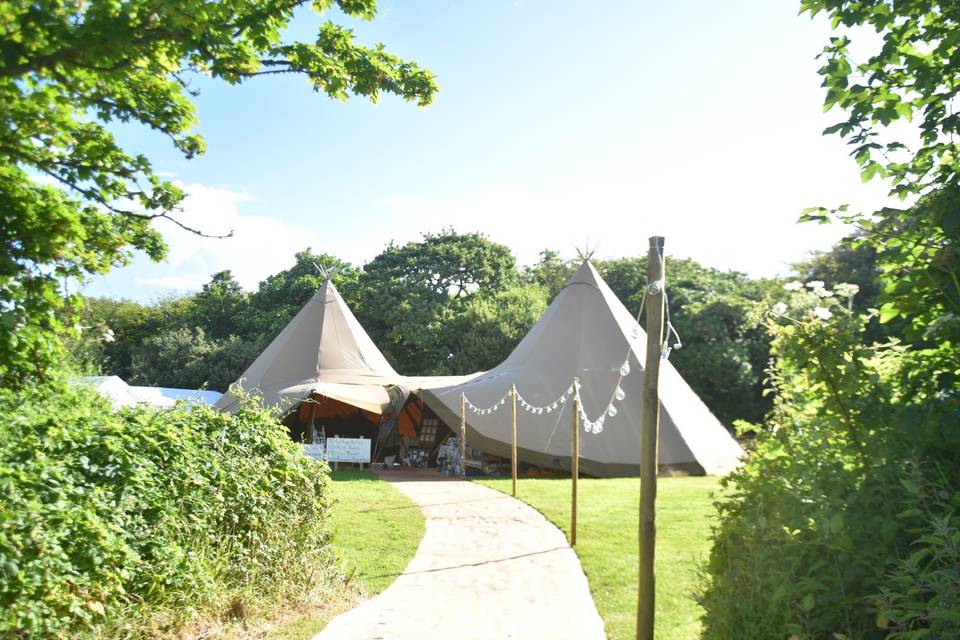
[(414, 434), (319, 415)]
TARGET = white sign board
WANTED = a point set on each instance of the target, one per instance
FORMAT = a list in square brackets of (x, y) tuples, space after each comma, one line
[(348, 449), (314, 451)]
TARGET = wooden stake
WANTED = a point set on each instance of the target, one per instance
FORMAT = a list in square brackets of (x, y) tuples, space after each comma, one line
[(513, 452), (463, 435), (649, 436), (575, 468)]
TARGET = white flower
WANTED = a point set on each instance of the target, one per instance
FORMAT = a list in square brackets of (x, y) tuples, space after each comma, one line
[(823, 313), (847, 290), (816, 284), (780, 308), (796, 285), (823, 293)]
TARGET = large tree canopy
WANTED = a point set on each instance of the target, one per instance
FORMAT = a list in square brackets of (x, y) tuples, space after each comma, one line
[(72, 201), (411, 293)]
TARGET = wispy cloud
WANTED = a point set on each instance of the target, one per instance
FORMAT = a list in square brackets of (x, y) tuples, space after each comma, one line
[(260, 245)]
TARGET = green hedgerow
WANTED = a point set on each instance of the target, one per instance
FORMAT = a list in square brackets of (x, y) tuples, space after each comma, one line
[(843, 523), (133, 522)]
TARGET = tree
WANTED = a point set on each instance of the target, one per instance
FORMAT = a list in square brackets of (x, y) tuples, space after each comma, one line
[(410, 293), (280, 296), (850, 499), (74, 203), (488, 328), (551, 272), (218, 305), (912, 77)]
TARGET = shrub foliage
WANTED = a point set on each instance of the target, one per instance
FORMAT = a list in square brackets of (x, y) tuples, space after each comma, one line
[(843, 523), (138, 522)]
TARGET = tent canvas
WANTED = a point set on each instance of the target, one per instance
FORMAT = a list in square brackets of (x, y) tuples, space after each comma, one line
[(123, 395), (323, 350), (587, 332)]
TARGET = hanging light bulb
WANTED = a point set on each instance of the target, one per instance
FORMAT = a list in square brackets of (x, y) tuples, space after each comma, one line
[(625, 368), (620, 394)]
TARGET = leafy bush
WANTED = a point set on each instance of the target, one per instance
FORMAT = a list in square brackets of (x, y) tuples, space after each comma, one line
[(137, 522), (843, 523)]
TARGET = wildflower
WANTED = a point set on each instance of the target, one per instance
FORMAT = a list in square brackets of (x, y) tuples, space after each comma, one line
[(796, 285), (816, 284), (780, 308), (823, 293), (822, 313), (846, 290)]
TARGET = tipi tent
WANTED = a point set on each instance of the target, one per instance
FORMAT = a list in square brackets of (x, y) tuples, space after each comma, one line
[(323, 351), (587, 333)]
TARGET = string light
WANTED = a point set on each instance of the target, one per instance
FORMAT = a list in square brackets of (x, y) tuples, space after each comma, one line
[(591, 426)]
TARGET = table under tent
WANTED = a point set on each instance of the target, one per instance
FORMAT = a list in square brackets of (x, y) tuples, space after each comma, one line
[(327, 379)]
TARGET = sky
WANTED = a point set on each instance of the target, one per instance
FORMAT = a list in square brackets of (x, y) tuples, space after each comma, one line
[(558, 125)]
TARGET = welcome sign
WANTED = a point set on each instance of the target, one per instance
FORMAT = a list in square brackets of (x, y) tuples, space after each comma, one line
[(340, 450)]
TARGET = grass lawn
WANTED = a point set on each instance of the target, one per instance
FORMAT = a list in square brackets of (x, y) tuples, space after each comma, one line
[(607, 521), (376, 531)]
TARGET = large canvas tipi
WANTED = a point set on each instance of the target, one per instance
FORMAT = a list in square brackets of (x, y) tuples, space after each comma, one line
[(587, 333), (324, 352)]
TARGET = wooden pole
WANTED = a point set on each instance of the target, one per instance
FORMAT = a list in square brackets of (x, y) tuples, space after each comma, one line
[(649, 435), (574, 468), (463, 435), (513, 452)]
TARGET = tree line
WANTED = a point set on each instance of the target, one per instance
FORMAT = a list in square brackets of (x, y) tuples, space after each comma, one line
[(450, 303)]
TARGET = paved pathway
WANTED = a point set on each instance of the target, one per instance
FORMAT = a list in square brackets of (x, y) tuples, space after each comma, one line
[(489, 568)]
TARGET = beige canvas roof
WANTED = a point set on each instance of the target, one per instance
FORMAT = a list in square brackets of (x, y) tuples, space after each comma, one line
[(586, 333), (324, 350)]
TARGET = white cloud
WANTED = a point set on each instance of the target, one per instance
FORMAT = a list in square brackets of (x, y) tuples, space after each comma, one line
[(706, 210), (261, 244)]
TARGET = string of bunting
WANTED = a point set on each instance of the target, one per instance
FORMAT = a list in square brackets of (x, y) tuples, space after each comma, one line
[(595, 425)]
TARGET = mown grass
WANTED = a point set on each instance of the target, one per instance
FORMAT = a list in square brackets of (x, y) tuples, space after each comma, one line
[(376, 531), (607, 524)]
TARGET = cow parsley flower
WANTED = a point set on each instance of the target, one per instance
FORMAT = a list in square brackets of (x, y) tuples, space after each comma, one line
[(796, 285), (822, 313), (846, 290)]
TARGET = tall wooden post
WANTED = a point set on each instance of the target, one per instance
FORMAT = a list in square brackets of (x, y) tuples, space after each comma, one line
[(574, 468), (463, 435), (513, 452), (649, 436)]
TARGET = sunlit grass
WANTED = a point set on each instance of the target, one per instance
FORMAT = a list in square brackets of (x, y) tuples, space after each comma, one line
[(376, 532), (607, 524)]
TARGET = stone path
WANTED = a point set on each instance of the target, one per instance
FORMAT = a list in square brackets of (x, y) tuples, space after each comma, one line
[(489, 568)]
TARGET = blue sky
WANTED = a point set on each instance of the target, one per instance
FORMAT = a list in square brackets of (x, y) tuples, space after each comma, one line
[(557, 123)]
